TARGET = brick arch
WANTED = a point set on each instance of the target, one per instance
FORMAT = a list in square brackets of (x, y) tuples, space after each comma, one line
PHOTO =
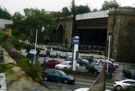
[(63, 25), (60, 33)]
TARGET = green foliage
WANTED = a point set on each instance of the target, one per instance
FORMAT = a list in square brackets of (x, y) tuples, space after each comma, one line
[(3, 68), (79, 9), (25, 26), (4, 14), (65, 11), (82, 9), (31, 70), (17, 16), (73, 9), (106, 5)]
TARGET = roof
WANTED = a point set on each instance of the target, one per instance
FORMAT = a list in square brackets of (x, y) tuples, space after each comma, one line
[(93, 15), (4, 22)]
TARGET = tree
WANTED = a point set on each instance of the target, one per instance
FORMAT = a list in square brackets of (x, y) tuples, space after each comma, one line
[(106, 5), (66, 11), (17, 16), (83, 9), (73, 7), (33, 20), (4, 14), (79, 9)]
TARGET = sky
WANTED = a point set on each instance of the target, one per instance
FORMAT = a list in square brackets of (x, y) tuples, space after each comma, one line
[(55, 5)]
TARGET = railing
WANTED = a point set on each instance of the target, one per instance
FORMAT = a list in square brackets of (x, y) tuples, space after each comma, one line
[(82, 48)]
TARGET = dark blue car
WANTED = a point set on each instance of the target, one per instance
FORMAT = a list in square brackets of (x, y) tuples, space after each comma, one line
[(57, 75)]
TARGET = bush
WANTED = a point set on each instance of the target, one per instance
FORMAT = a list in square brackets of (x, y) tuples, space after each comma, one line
[(3, 68)]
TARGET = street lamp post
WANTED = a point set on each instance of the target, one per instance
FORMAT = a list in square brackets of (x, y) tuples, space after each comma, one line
[(34, 60), (109, 43)]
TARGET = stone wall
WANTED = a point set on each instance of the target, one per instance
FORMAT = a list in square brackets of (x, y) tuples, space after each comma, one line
[(121, 23), (67, 25)]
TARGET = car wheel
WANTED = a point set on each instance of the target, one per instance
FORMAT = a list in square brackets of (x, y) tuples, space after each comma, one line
[(65, 68), (118, 88), (65, 81), (45, 78)]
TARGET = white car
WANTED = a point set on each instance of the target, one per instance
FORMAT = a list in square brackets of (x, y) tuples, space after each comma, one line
[(66, 65), (103, 60), (63, 55), (33, 51), (42, 53), (53, 54), (119, 85), (24, 52)]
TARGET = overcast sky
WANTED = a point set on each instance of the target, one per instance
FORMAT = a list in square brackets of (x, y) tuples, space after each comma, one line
[(54, 5)]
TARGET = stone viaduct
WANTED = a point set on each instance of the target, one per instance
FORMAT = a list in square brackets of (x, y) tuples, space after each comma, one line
[(94, 29)]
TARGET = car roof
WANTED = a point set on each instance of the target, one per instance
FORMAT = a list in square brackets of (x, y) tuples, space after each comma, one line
[(126, 80)]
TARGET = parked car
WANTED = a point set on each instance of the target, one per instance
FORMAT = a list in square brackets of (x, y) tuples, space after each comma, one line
[(106, 60), (13, 50), (94, 68), (32, 51), (57, 75), (68, 59), (24, 52), (66, 65), (52, 62), (53, 54), (110, 65), (128, 72), (63, 55), (82, 61), (119, 85), (89, 58), (79, 61), (42, 53)]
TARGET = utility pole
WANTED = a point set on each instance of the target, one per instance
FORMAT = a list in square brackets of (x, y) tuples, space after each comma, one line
[(34, 59), (74, 18)]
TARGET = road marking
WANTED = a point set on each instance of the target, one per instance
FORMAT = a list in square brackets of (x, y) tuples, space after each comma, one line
[(90, 84)]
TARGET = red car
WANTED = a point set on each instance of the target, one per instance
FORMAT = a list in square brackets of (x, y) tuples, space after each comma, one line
[(52, 63), (12, 50), (109, 67)]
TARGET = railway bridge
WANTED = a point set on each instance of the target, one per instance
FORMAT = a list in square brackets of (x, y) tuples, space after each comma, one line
[(94, 29)]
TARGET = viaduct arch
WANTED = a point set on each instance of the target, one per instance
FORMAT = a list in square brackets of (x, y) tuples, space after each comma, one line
[(120, 22)]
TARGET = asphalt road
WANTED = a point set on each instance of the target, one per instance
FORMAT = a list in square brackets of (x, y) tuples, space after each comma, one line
[(70, 87)]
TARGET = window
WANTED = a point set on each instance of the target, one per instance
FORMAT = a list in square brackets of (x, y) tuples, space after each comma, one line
[(49, 71), (57, 73), (129, 82), (51, 61)]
